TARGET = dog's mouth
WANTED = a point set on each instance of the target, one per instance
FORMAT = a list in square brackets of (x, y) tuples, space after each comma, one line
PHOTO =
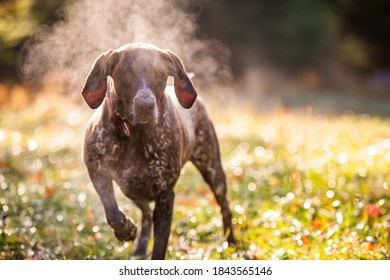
[(137, 119), (145, 113)]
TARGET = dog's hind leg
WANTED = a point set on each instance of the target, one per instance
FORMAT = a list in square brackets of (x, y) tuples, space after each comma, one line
[(206, 158), (124, 229)]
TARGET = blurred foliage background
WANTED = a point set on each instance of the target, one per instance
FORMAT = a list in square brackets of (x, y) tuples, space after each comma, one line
[(303, 126), (340, 44), (19, 20)]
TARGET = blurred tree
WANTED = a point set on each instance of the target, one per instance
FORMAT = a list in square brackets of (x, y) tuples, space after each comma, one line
[(365, 30), (18, 20), (338, 39), (290, 33)]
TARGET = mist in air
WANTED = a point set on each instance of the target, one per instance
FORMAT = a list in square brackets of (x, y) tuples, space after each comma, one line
[(67, 50)]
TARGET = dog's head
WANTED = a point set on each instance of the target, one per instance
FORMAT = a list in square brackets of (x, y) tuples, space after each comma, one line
[(139, 73)]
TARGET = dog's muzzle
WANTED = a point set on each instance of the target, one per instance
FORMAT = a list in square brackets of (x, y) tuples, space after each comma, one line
[(144, 109)]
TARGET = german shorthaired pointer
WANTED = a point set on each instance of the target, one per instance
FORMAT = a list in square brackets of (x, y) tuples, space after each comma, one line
[(140, 138)]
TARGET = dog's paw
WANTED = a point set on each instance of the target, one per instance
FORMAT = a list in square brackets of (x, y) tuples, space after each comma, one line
[(127, 233)]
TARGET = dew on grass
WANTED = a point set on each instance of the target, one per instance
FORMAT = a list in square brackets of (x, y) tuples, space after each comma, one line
[(372, 150), (73, 118), (238, 209), (16, 137), (307, 204), (386, 144), (362, 172), (339, 175), (342, 158), (252, 187), (238, 171), (332, 183), (260, 151), (32, 145), (330, 194), (290, 196)]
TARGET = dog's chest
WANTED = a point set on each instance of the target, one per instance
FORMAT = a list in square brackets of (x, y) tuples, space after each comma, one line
[(143, 167)]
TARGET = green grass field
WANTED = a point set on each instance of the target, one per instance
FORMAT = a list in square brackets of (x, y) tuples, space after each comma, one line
[(301, 185)]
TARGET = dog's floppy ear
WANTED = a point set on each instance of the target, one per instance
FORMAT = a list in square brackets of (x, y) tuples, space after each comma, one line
[(184, 89), (95, 86)]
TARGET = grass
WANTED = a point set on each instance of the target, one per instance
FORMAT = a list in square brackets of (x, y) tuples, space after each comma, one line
[(301, 185)]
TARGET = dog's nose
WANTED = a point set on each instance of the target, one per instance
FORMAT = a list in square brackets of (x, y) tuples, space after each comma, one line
[(144, 102)]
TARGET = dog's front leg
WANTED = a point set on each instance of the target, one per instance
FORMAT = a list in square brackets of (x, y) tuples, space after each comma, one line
[(124, 229), (162, 220)]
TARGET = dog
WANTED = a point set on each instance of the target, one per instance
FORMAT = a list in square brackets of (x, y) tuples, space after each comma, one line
[(140, 138)]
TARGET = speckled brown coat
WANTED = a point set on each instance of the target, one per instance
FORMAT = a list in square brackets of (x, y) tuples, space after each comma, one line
[(140, 137)]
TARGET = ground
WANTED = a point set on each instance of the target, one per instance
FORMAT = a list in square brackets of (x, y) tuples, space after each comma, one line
[(302, 185)]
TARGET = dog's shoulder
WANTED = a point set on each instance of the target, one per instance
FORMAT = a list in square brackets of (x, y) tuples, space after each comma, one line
[(97, 137)]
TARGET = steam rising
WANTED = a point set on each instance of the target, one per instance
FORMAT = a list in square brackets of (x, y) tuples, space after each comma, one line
[(89, 27)]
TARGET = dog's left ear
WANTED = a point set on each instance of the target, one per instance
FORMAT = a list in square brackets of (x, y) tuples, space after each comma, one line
[(95, 86), (184, 89)]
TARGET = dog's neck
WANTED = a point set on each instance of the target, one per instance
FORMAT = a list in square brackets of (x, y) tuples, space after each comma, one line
[(124, 124)]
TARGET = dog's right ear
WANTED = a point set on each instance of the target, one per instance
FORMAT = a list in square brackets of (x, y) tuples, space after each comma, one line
[(95, 85), (184, 89)]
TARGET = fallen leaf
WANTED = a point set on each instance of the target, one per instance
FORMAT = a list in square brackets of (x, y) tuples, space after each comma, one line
[(50, 191), (372, 246), (38, 176), (306, 240), (91, 224), (317, 223), (273, 181), (373, 210), (93, 237), (296, 177), (90, 213)]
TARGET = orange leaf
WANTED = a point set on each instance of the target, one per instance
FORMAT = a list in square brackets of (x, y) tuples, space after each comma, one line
[(317, 223), (203, 191), (306, 240), (296, 177), (372, 247), (38, 176), (91, 224), (180, 200), (90, 213), (373, 211), (254, 257), (49, 191), (273, 181), (93, 237)]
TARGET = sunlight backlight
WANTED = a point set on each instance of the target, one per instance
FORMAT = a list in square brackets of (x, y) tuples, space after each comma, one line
[(2, 135), (32, 145), (16, 137)]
